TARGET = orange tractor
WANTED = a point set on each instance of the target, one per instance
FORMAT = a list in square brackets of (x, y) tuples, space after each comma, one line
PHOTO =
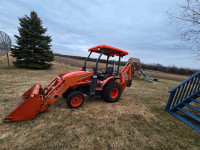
[(73, 85)]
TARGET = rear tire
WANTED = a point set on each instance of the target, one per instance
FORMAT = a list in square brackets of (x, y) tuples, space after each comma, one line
[(112, 92), (75, 99)]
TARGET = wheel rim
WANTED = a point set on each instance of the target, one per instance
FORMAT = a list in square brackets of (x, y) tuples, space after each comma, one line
[(114, 93), (76, 100)]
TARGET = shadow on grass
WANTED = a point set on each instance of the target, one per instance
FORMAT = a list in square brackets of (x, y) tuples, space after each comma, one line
[(61, 102)]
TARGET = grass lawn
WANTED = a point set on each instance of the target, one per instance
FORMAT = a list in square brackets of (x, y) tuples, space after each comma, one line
[(136, 121)]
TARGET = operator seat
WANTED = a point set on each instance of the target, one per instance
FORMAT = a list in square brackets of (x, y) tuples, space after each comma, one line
[(109, 71)]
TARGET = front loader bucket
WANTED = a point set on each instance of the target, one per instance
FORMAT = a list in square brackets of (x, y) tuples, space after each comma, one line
[(27, 106)]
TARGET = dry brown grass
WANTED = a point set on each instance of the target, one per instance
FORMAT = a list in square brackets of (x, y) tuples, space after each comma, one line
[(136, 121), (162, 75), (3, 61)]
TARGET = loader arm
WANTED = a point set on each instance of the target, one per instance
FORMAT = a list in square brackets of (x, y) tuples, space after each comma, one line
[(126, 74), (60, 84)]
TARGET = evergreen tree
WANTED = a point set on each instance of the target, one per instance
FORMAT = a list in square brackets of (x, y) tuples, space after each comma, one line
[(33, 46)]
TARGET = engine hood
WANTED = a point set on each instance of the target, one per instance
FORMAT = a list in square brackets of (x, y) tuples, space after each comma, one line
[(76, 73)]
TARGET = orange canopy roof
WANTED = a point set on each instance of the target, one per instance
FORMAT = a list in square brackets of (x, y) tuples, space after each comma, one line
[(108, 50)]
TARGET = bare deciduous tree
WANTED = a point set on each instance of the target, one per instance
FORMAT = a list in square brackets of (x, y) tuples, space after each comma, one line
[(189, 20)]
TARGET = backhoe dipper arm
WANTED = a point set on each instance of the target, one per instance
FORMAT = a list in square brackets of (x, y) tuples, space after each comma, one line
[(127, 70)]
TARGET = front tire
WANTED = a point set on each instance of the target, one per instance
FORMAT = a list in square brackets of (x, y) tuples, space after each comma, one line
[(75, 99), (64, 95), (112, 92)]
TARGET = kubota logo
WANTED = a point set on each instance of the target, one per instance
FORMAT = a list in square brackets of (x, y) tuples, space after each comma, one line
[(84, 75)]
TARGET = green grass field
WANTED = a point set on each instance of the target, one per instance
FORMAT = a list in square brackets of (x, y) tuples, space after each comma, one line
[(136, 121)]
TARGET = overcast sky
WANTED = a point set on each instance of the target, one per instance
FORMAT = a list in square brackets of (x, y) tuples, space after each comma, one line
[(139, 26)]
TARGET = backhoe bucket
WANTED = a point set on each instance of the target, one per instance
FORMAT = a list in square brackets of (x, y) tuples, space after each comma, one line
[(27, 106)]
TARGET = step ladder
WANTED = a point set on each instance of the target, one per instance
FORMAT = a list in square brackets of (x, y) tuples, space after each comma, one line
[(184, 101)]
